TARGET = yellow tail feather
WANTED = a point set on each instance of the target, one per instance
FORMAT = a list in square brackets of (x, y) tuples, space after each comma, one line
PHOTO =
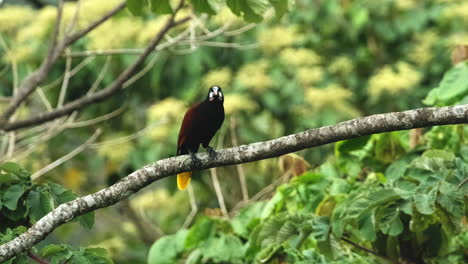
[(183, 179)]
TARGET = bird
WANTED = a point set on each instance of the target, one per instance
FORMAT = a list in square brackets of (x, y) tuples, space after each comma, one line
[(199, 126)]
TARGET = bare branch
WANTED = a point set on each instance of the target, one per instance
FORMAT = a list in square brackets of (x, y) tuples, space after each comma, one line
[(374, 124), (68, 156), (72, 38), (103, 94)]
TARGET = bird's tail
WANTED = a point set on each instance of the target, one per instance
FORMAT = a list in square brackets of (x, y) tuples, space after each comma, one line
[(183, 179)]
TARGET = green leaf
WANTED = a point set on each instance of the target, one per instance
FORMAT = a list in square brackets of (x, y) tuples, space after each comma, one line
[(366, 227), (425, 202), (321, 228), (39, 202), (16, 169), (203, 228), (136, 7), (8, 178), (207, 6), (281, 6), (243, 222), (224, 248), (344, 147), (86, 220), (12, 195), (451, 199), (51, 250), (452, 88), (161, 6), (166, 249), (251, 10), (60, 194)]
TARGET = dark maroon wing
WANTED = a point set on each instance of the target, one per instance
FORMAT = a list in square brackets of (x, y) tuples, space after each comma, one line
[(186, 128)]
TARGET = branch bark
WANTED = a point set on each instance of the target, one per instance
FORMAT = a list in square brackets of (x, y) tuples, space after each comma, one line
[(374, 124)]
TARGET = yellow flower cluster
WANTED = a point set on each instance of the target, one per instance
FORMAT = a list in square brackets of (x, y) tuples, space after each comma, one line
[(458, 39), (457, 10), (149, 30), (331, 97), (421, 53), (254, 75), (221, 77), (18, 53), (13, 17), (299, 57), (115, 152), (405, 4), (277, 38), (393, 82), (91, 10), (341, 65), (237, 103), (107, 37), (225, 16), (167, 111), (309, 75)]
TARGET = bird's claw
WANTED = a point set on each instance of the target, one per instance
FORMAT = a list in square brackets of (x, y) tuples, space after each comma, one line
[(211, 153), (196, 161)]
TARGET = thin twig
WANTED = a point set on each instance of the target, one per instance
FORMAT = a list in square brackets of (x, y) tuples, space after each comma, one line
[(44, 99), (66, 78), (193, 206), (65, 158), (239, 167), (36, 258), (72, 38), (96, 120), (218, 191), (366, 249)]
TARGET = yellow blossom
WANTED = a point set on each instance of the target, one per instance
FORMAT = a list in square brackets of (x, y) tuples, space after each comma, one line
[(221, 77), (309, 75), (18, 54), (299, 57), (405, 4), (107, 37), (237, 103), (116, 152), (403, 78), (457, 10), (14, 17), (341, 65), (277, 38), (421, 52), (166, 112), (332, 97), (149, 30), (73, 178), (254, 75), (225, 16)]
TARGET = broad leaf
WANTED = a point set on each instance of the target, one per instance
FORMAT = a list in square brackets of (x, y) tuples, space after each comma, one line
[(136, 7), (166, 249), (12, 195), (452, 88), (39, 202), (16, 169), (161, 6)]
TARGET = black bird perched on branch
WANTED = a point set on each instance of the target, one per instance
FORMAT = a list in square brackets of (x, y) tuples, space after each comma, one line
[(200, 124)]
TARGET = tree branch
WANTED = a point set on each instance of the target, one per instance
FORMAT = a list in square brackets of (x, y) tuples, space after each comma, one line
[(103, 94), (374, 124)]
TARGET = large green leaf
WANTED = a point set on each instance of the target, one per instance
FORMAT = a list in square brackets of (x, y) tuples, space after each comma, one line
[(425, 202), (136, 7), (207, 6), (203, 229), (12, 195), (166, 249), (39, 202), (223, 248), (452, 88), (86, 220), (281, 6), (15, 168), (244, 221), (161, 6), (251, 10), (321, 228)]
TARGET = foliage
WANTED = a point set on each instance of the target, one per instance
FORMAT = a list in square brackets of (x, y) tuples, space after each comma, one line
[(23, 202)]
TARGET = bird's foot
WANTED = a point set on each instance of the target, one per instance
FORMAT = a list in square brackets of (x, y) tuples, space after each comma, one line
[(196, 161), (211, 152)]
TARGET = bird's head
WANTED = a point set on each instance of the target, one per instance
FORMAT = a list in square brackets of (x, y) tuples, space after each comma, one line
[(215, 94)]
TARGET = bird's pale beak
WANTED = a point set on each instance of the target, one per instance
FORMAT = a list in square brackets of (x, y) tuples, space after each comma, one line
[(215, 92)]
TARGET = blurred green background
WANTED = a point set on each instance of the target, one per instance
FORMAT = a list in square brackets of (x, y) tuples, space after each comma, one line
[(321, 63)]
